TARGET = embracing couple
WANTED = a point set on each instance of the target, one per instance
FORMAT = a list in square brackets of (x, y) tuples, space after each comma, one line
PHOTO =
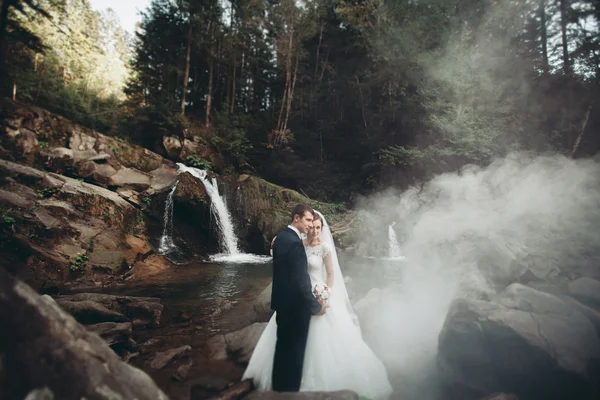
[(310, 343)]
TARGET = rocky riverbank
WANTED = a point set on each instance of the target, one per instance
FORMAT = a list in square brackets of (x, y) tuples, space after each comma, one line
[(81, 206)]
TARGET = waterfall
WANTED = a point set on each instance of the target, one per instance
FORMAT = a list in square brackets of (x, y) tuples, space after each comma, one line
[(394, 247), (166, 241), (227, 237)]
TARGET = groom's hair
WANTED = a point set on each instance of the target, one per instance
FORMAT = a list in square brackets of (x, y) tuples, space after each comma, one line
[(300, 210)]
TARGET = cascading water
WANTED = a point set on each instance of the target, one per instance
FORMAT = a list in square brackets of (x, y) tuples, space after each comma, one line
[(227, 236), (394, 247), (166, 244)]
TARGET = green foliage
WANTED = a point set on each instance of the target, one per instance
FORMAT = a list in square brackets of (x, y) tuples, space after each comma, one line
[(196, 161), (331, 98), (148, 124), (47, 192), (69, 59), (79, 264), (8, 221), (147, 201), (230, 134)]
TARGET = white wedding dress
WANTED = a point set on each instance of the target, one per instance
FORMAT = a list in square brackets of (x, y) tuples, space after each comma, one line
[(336, 357)]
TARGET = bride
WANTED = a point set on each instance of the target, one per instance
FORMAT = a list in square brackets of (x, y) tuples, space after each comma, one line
[(336, 357)]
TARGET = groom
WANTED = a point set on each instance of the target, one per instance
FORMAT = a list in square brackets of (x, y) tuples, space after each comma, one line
[(293, 300)]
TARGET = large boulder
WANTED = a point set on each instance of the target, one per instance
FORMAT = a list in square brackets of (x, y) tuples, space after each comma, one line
[(42, 347), (98, 307), (263, 209), (262, 304), (269, 395), (525, 341), (237, 345)]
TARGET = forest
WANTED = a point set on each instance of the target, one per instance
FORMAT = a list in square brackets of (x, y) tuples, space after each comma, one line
[(333, 98)]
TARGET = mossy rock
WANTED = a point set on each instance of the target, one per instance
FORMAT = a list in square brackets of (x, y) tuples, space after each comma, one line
[(265, 207)]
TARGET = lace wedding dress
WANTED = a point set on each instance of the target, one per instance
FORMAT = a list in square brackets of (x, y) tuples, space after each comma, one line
[(336, 356)]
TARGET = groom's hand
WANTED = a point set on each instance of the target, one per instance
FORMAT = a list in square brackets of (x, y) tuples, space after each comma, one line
[(323, 307)]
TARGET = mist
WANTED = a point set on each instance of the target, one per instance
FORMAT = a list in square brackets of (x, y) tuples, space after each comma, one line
[(469, 234)]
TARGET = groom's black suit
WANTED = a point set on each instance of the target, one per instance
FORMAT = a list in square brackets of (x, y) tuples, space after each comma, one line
[(294, 303)]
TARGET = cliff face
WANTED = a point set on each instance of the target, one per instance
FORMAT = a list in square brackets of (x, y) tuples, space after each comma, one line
[(75, 203)]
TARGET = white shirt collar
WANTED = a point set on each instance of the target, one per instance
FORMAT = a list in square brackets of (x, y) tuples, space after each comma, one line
[(295, 230)]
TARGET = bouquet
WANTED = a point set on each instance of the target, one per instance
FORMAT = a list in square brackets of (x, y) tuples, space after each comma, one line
[(322, 291)]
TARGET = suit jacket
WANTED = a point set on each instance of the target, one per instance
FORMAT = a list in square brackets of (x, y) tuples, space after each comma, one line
[(292, 289)]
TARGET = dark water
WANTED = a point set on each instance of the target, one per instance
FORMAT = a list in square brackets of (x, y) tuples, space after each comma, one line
[(201, 281)]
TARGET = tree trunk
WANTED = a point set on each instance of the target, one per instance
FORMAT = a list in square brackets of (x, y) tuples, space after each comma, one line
[(186, 74), (563, 29), (313, 90), (232, 107), (291, 94), (210, 84), (3, 24), (544, 38), (288, 77), (364, 114), (586, 119)]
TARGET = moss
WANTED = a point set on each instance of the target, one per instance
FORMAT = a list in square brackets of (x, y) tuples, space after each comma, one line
[(267, 206)]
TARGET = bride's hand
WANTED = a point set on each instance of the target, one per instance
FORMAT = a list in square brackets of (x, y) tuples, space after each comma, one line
[(324, 307)]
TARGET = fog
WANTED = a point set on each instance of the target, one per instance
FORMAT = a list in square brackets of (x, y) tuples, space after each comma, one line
[(469, 234)]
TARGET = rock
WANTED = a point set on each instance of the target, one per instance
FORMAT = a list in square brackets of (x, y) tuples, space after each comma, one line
[(262, 304), (20, 190), (500, 396), (211, 383), (47, 348), (268, 395), (47, 220), (27, 143), (194, 148), (99, 173), (241, 343), (152, 265), (217, 347), (163, 178), (172, 145), (84, 155), (112, 332), (28, 174), (191, 190), (90, 312), (182, 372), (138, 245), (521, 341), (58, 152), (163, 358), (265, 208), (59, 208), (81, 141), (139, 310), (131, 178), (235, 391), (100, 158), (9, 200), (153, 342), (111, 260), (40, 394), (586, 290)]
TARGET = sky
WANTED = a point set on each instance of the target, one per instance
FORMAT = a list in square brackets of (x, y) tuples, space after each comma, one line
[(127, 10)]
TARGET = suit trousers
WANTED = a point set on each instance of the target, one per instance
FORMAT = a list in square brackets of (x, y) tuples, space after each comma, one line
[(292, 332)]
